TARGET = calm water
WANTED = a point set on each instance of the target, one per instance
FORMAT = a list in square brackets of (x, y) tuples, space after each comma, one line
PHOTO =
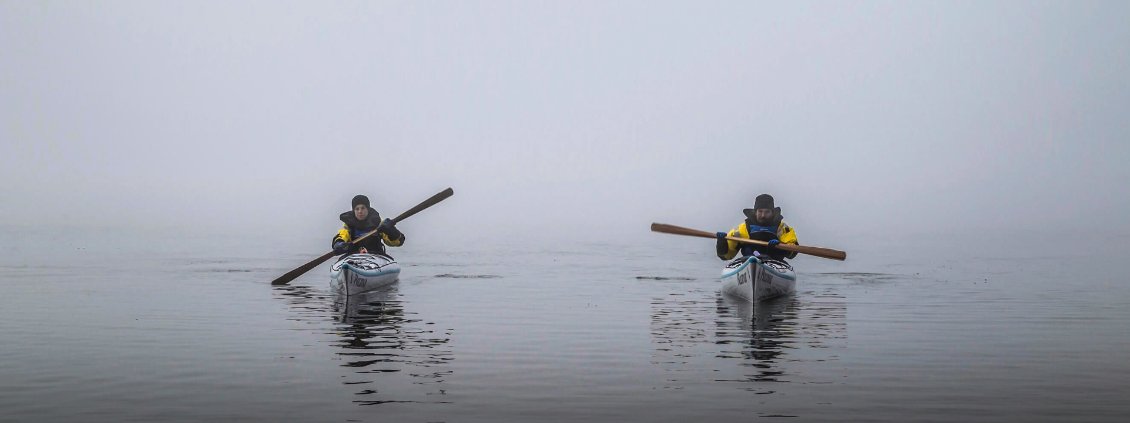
[(127, 332)]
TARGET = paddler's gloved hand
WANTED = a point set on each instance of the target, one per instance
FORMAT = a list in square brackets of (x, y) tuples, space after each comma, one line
[(720, 235), (341, 247), (773, 243), (389, 227)]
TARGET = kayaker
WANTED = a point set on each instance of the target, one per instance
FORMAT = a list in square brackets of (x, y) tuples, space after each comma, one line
[(763, 223), (360, 221)]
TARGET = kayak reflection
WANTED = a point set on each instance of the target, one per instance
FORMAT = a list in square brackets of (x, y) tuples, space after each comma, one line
[(703, 335), (389, 349), (390, 355), (759, 333)]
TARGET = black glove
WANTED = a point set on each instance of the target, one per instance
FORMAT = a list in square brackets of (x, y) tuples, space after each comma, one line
[(341, 247), (389, 227), (723, 246), (773, 243)]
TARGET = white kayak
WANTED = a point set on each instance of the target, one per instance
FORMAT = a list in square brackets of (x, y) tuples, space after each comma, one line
[(379, 306), (357, 273), (758, 278)]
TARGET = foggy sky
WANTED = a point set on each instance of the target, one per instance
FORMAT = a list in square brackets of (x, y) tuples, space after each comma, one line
[(568, 120)]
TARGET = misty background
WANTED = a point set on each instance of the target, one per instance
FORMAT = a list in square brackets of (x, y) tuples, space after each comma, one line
[(568, 121)]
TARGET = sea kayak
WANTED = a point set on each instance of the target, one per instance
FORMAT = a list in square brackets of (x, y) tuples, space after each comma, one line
[(757, 278), (357, 273)]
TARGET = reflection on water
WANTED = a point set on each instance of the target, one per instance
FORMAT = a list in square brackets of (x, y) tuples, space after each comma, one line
[(701, 332), (306, 303), (392, 356), (759, 335)]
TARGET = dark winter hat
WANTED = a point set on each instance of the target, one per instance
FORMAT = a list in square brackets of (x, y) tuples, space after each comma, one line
[(763, 201), (360, 199)]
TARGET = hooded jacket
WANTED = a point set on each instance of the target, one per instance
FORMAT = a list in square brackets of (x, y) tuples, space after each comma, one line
[(749, 229), (352, 228)]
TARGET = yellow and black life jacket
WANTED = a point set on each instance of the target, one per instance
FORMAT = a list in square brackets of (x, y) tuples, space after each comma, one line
[(749, 229), (352, 228)]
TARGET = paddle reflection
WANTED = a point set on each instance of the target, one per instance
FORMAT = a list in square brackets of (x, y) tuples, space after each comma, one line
[(697, 333), (391, 356)]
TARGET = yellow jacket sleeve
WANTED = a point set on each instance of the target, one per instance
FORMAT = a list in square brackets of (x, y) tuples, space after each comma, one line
[(343, 234), (786, 234), (389, 241)]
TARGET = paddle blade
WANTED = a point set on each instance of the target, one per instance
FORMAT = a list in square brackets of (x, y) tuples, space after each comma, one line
[(679, 230), (427, 203), (293, 274), (827, 253)]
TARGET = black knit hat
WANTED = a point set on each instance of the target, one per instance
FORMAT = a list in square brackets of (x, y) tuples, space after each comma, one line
[(360, 199)]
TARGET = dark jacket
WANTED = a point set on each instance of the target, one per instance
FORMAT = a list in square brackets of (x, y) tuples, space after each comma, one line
[(352, 229)]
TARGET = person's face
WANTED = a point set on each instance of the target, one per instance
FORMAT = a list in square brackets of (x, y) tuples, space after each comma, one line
[(763, 215), (360, 211)]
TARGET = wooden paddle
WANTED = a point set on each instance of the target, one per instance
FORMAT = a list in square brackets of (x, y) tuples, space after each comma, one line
[(827, 253), (291, 275)]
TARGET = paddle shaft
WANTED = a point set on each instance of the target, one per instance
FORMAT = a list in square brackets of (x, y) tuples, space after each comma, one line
[(827, 253), (291, 275)]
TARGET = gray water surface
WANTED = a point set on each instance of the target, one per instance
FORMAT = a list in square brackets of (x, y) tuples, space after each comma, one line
[(598, 332)]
